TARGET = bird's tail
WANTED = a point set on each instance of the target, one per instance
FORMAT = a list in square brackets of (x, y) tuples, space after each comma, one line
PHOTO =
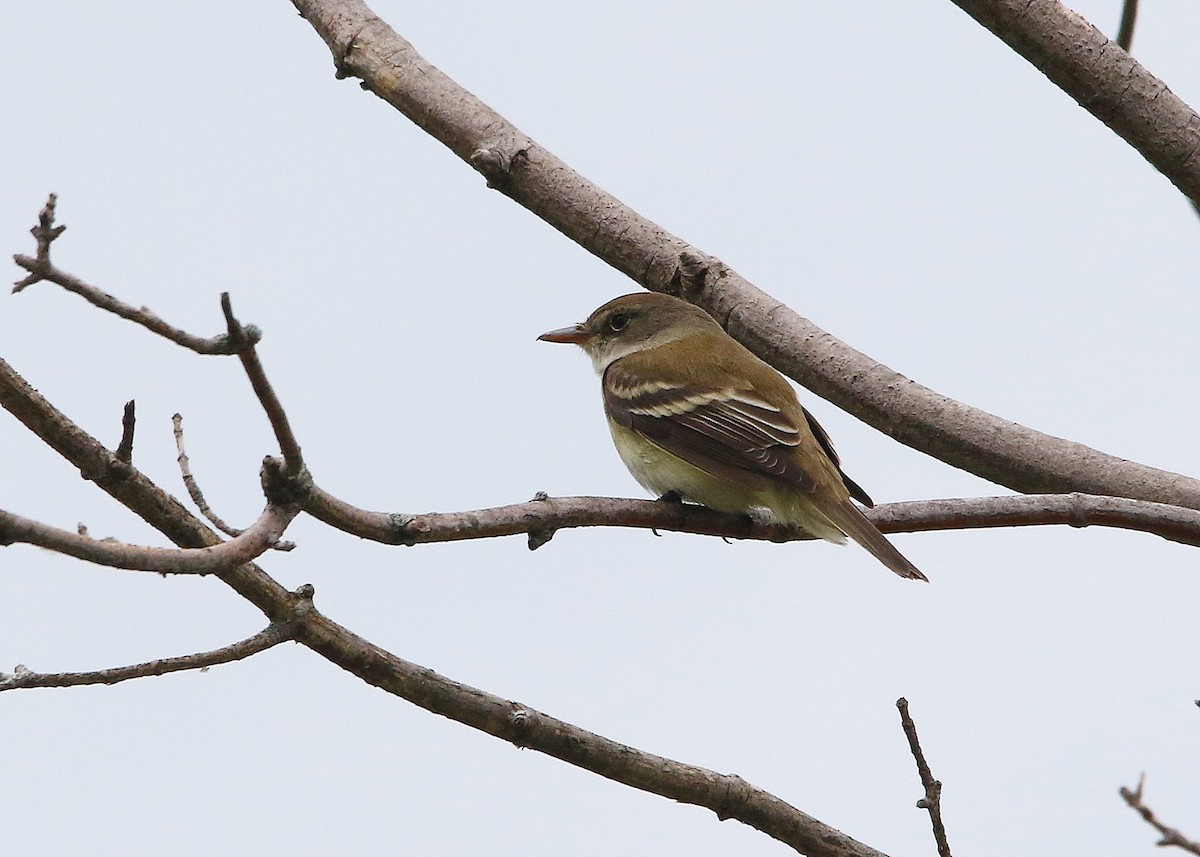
[(850, 520)]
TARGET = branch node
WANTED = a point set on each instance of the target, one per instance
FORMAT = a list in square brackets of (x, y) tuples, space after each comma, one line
[(932, 801), (1170, 836), (280, 487), (341, 60), (521, 720), (300, 602), (125, 447), (496, 161), (404, 526), (44, 233), (735, 789), (691, 274)]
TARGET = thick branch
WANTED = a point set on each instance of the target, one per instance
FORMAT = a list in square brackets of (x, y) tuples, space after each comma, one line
[(1020, 458), (1103, 78), (272, 635)]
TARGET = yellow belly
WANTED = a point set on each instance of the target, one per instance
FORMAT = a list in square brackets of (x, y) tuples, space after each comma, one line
[(660, 472)]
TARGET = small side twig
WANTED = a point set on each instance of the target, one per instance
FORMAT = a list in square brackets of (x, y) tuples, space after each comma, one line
[(125, 447), (193, 487), (271, 636), (289, 447), (1128, 19), (933, 788), (1170, 836), (44, 234)]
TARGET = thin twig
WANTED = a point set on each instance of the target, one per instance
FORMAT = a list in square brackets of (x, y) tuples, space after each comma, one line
[(1170, 836), (125, 447), (193, 488), (933, 788), (44, 234), (288, 445), (1128, 20), (272, 635), (252, 543)]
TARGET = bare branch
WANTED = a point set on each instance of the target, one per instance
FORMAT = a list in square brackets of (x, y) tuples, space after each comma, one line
[(272, 635), (128, 421), (41, 268), (251, 544), (1170, 836), (193, 488), (542, 517), (44, 233), (1020, 458), (933, 788), (1128, 20), (728, 796), (288, 445), (1109, 84)]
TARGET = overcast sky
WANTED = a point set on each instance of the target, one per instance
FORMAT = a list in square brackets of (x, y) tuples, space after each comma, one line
[(890, 170)]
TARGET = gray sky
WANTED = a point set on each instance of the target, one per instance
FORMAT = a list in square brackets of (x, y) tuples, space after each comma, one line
[(891, 171)]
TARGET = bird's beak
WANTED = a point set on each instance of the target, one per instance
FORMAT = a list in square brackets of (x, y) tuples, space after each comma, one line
[(576, 334)]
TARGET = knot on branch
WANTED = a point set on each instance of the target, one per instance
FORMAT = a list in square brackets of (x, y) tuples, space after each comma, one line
[(300, 602), (538, 536), (407, 528), (281, 488), (495, 162), (521, 722), (693, 274), (735, 794)]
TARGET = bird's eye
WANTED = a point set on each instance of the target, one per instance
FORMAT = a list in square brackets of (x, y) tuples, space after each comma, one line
[(618, 322)]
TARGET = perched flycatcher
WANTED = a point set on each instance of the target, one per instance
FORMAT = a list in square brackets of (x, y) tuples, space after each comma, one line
[(694, 413)]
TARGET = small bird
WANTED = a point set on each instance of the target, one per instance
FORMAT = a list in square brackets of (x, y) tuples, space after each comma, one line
[(695, 415)]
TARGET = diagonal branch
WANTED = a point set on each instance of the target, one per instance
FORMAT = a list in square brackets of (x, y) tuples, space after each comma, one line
[(727, 796), (1020, 458), (272, 635), (244, 339), (1103, 78), (1170, 836)]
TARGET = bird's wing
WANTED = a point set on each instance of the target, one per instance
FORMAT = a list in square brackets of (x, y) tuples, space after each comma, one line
[(853, 487), (728, 431)]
